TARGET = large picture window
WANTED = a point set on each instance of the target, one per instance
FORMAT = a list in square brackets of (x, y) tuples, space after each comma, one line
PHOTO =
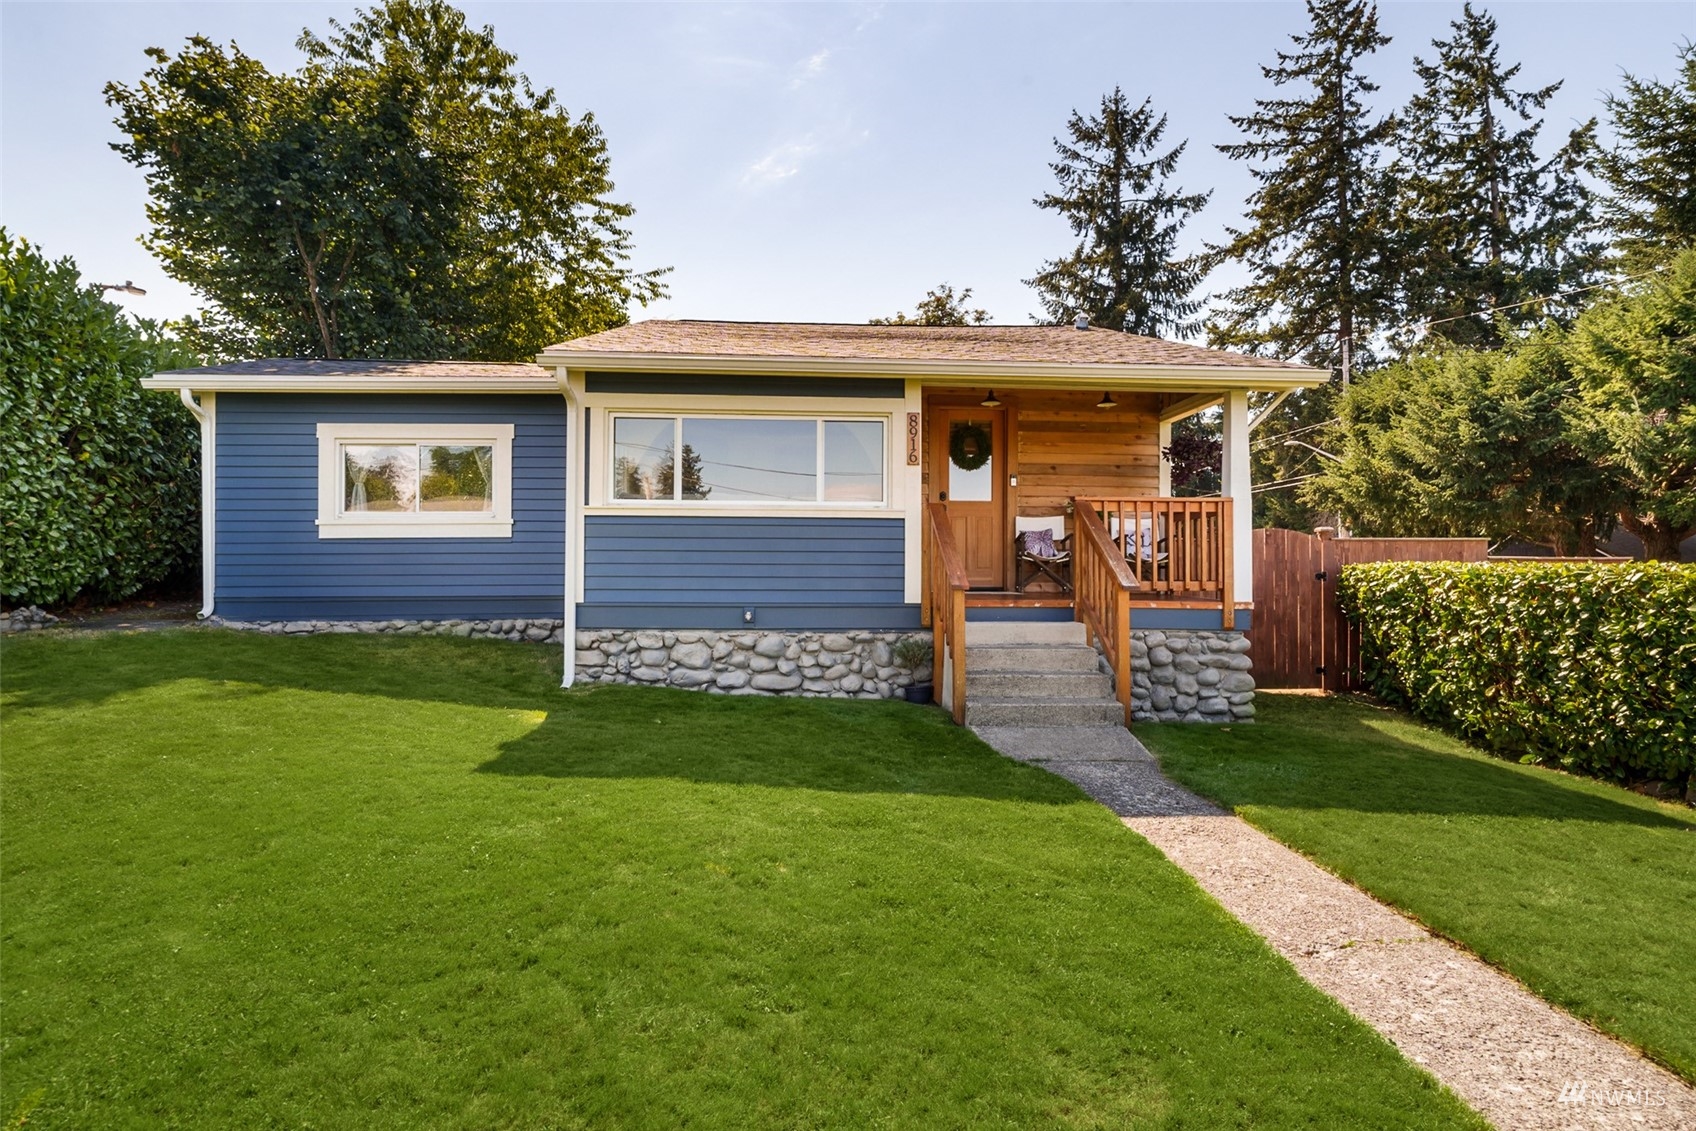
[(747, 460), (414, 481)]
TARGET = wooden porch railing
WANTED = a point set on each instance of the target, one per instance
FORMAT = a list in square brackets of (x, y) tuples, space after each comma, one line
[(943, 607), (1102, 584), (1176, 547)]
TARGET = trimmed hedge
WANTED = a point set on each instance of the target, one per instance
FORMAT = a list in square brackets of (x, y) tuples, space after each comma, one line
[(1590, 667), (99, 483)]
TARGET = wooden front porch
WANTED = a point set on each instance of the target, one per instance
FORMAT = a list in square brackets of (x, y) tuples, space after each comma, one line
[(1088, 465)]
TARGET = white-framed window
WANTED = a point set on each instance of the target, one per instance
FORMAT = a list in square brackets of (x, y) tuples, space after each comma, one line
[(742, 461), (414, 480)]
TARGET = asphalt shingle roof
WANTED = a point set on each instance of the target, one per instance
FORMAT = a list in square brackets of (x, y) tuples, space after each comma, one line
[(850, 341)]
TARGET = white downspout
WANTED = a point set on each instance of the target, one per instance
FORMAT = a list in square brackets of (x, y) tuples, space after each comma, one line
[(573, 527), (207, 414)]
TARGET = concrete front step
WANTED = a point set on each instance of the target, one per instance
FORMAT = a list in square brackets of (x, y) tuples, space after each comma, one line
[(1030, 658), (1037, 684), (1024, 632), (1028, 711)]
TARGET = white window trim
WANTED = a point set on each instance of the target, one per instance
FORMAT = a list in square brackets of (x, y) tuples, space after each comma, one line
[(681, 506), (333, 523)]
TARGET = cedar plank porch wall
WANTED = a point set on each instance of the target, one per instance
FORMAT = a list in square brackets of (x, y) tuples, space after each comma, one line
[(1065, 446)]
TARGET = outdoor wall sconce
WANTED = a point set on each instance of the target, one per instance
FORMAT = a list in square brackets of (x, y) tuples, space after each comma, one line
[(1106, 401), (990, 401)]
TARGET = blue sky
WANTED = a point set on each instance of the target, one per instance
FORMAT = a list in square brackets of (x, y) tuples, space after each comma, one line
[(810, 162)]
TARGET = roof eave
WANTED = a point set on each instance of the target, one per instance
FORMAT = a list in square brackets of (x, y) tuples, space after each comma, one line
[(947, 372), (231, 383)]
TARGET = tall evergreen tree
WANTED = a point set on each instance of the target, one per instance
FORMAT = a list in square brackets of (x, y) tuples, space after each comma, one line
[(1652, 170), (1316, 246), (1125, 273), (1487, 227)]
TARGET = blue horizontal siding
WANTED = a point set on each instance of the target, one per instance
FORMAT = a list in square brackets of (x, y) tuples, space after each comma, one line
[(271, 564), (643, 571)]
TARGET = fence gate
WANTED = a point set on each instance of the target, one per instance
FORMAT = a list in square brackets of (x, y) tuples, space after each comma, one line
[(1300, 636)]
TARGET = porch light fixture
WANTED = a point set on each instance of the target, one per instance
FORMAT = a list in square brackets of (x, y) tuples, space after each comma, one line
[(990, 401), (1106, 401)]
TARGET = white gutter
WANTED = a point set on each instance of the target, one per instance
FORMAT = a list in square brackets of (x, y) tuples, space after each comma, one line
[(207, 413), (364, 384), (573, 525)]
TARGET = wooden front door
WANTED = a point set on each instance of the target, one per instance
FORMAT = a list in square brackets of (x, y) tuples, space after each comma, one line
[(971, 479)]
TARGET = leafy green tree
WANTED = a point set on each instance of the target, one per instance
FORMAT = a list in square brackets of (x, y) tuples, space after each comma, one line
[(941, 307), (1464, 442), (405, 193), (1486, 225), (1125, 272), (1317, 245), (99, 492), (1652, 168), (1279, 469), (1634, 357)]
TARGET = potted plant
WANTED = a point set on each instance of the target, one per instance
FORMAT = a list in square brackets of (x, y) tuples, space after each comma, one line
[(914, 653)]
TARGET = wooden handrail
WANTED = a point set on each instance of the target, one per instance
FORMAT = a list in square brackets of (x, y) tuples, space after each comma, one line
[(1176, 546), (1102, 584), (943, 606)]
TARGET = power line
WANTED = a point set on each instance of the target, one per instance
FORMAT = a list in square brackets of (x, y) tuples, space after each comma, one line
[(1534, 301)]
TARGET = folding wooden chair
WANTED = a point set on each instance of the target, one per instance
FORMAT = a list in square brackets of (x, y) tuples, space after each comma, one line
[(1044, 548)]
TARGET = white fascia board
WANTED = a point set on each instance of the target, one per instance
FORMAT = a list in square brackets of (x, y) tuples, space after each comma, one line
[(228, 384), (958, 373)]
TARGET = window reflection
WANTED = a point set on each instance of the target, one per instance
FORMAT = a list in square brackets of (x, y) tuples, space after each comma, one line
[(748, 459), (455, 477), (380, 478), (853, 461), (770, 460), (642, 458)]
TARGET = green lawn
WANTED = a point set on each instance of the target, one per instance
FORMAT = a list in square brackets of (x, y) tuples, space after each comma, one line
[(344, 881), (1584, 891)]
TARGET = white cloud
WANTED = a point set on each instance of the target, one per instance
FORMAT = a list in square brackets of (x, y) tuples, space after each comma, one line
[(781, 163), (811, 68)]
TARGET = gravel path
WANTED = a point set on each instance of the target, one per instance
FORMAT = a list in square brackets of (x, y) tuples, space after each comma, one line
[(1509, 1054)]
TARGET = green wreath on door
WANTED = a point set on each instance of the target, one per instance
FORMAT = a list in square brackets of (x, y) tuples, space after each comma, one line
[(969, 446)]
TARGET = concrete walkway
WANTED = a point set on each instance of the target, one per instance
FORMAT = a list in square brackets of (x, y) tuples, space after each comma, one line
[(1508, 1053)]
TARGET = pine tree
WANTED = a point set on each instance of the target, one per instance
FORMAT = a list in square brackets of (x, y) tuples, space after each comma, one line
[(1485, 224), (1125, 273), (1652, 171), (1316, 248)]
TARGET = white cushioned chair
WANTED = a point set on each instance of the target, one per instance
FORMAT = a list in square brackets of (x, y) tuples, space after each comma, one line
[(1045, 549)]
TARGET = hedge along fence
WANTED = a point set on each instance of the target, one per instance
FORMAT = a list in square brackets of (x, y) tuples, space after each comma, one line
[(1592, 668)]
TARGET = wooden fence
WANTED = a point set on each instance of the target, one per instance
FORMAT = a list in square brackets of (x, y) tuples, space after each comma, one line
[(1301, 638)]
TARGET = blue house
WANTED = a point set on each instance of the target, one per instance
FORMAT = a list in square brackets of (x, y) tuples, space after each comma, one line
[(750, 507)]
